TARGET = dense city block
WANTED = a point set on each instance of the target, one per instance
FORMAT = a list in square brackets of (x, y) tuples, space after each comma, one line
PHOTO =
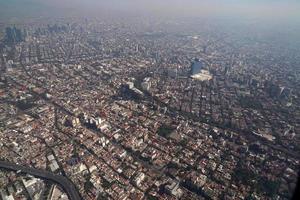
[(145, 109)]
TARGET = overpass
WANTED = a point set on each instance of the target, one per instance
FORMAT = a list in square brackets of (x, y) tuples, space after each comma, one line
[(68, 187)]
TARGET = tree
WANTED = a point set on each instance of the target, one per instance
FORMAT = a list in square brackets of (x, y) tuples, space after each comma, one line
[(269, 187)]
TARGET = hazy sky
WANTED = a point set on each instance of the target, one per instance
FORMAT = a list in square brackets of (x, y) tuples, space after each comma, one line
[(267, 9)]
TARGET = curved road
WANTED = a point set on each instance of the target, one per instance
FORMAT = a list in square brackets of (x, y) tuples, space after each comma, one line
[(65, 184)]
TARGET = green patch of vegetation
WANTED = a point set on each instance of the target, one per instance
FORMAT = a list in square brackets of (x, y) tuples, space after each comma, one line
[(259, 184), (106, 185), (88, 186), (24, 105), (149, 197), (267, 186), (183, 142), (165, 130), (102, 196), (243, 175)]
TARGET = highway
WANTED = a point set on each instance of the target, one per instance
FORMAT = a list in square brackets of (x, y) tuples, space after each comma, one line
[(68, 187)]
